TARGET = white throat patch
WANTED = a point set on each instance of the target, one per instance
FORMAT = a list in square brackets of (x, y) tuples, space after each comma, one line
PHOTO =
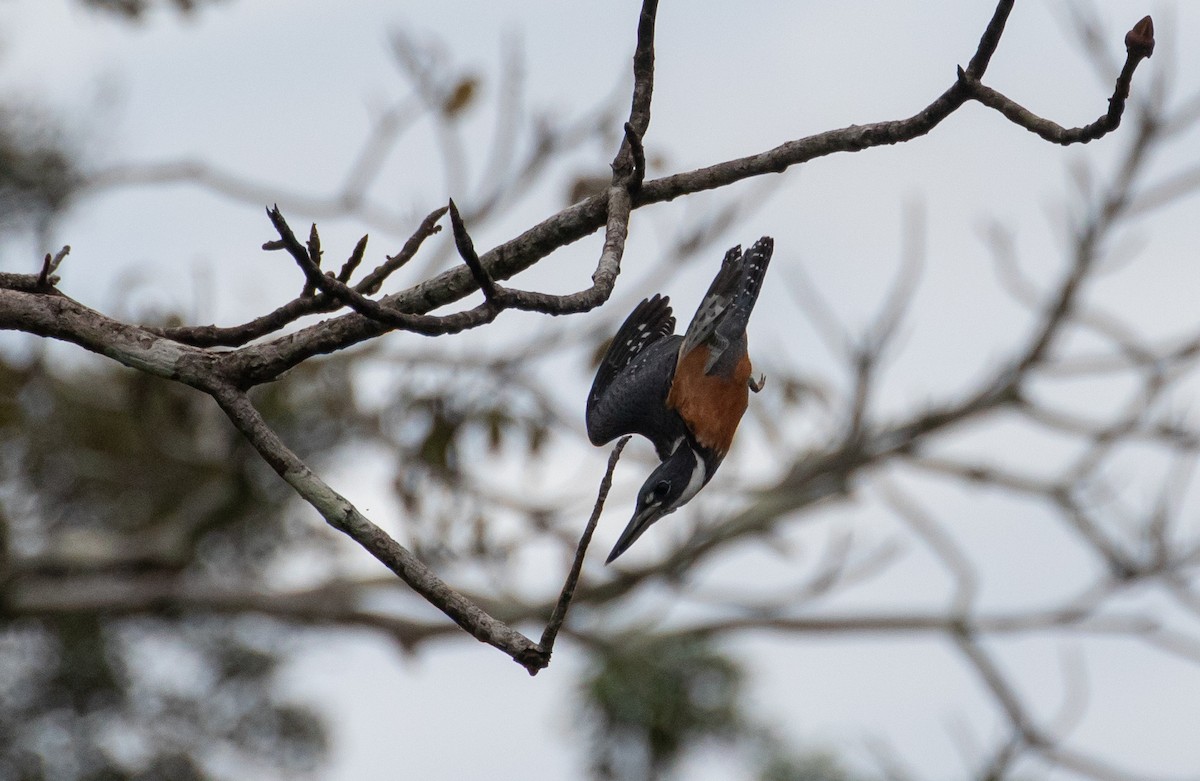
[(695, 482)]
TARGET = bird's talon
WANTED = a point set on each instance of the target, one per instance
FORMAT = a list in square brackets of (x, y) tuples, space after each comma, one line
[(759, 384)]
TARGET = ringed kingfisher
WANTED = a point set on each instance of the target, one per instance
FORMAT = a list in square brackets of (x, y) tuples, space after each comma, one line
[(685, 393)]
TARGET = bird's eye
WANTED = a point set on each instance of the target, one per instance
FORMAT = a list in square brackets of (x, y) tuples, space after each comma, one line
[(661, 488)]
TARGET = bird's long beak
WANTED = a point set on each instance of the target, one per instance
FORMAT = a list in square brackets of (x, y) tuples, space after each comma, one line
[(641, 521)]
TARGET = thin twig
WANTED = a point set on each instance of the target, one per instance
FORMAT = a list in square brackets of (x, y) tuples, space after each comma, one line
[(238, 335), (1139, 44), (568, 590), (46, 278), (466, 250), (352, 263)]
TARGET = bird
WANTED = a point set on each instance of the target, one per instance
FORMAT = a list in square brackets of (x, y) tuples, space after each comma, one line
[(686, 393)]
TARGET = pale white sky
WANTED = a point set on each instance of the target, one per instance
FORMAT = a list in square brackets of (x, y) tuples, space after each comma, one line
[(281, 91)]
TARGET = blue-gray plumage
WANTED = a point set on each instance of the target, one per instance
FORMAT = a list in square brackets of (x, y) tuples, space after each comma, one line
[(634, 378)]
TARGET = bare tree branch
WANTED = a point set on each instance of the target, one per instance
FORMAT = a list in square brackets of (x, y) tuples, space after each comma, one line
[(343, 516), (261, 354)]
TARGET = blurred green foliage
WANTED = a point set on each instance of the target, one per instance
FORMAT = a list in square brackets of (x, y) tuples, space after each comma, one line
[(111, 478), (38, 169), (649, 700)]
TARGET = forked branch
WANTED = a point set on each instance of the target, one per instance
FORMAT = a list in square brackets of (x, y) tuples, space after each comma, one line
[(30, 303)]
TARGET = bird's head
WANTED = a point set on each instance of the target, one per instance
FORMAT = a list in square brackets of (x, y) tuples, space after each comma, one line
[(669, 487)]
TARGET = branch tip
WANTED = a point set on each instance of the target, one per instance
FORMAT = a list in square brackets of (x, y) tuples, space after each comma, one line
[(50, 264), (314, 245), (466, 250), (352, 263), (1139, 42)]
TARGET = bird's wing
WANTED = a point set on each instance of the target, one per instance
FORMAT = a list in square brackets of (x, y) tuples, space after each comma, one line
[(715, 302), (721, 318), (649, 321), (634, 374)]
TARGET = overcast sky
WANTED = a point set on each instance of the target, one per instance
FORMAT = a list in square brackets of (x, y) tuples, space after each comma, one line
[(282, 92)]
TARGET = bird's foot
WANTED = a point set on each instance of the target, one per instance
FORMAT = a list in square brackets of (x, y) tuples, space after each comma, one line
[(759, 384)]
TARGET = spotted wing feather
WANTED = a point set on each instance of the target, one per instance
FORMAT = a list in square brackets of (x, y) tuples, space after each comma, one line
[(634, 377), (649, 321)]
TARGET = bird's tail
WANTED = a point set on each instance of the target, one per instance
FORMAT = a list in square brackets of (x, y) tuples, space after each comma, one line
[(753, 271), (725, 308)]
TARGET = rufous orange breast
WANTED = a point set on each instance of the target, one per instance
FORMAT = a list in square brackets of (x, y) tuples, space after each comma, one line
[(712, 405)]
